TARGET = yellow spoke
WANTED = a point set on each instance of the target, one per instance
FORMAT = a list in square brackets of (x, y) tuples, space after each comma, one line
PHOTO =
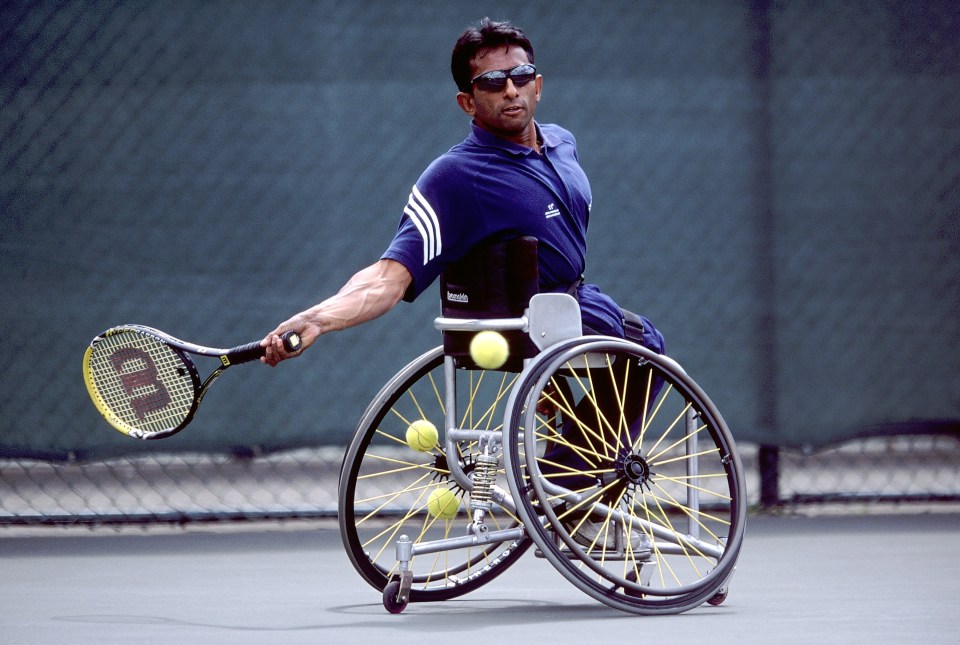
[(429, 521), (665, 521), (632, 556), (681, 478), (669, 428), (489, 415), (676, 443), (601, 421), (436, 392), (389, 498), (393, 495), (646, 410), (581, 505), (570, 470), (681, 481), (396, 526), (567, 408), (580, 450), (710, 451), (387, 435), (405, 466), (656, 411), (622, 429), (597, 494), (686, 510), (404, 469)]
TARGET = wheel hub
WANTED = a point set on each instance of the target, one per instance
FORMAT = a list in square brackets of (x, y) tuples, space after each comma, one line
[(635, 469)]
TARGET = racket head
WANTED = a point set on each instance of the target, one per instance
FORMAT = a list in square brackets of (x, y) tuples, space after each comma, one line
[(141, 385)]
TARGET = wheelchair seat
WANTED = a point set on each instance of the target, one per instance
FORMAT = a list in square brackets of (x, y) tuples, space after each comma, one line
[(495, 280)]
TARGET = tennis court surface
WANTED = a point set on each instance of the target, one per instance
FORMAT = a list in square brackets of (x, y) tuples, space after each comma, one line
[(827, 579)]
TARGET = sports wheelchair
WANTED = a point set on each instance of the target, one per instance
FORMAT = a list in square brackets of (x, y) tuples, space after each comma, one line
[(649, 521)]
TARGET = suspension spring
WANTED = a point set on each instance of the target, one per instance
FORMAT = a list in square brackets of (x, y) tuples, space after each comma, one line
[(484, 475)]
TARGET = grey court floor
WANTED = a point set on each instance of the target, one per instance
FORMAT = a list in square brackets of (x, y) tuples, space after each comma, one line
[(866, 579)]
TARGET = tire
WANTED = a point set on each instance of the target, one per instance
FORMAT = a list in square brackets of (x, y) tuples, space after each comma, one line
[(674, 482), (385, 484)]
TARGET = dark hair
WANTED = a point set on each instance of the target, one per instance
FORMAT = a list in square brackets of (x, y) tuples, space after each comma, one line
[(487, 34)]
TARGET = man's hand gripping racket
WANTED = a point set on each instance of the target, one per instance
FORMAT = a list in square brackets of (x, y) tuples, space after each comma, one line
[(144, 383)]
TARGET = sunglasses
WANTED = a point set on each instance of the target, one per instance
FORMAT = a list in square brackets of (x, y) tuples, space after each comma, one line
[(496, 80)]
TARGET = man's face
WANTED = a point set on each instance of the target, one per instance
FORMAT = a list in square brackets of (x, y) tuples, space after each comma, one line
[(507, 112)]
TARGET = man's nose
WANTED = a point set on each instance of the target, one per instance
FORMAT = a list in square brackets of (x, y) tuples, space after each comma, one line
[(510, 89)]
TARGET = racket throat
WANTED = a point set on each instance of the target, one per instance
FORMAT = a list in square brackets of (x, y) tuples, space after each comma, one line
[(208, 382)]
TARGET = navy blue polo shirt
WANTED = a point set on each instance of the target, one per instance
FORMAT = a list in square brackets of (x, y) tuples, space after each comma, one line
[(487, 189)]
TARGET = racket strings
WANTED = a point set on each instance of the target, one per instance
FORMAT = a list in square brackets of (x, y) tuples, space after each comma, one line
[(143, 383)]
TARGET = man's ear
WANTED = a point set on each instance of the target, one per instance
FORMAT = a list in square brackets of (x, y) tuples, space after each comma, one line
[(466, 103)]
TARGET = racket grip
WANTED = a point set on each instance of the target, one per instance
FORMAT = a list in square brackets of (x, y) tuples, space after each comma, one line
[(253, 351)]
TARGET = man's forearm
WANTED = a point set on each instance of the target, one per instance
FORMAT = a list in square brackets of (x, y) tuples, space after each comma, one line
[(369, 294)]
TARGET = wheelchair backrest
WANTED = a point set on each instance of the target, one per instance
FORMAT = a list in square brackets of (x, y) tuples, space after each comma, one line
[(494, 280)]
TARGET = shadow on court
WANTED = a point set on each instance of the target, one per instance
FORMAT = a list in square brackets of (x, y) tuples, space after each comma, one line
[(876, 579)]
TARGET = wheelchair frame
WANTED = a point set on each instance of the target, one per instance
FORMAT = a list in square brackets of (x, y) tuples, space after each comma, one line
[(633, 562)]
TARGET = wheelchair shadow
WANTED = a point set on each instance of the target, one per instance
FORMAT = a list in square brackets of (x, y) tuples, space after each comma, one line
[(356, 623), (457, 614)]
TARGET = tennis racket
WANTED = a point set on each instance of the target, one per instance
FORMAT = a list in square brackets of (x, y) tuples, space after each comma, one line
[(144, 383)]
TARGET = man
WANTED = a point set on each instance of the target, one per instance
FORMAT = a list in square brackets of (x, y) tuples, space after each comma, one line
[(511, 177)]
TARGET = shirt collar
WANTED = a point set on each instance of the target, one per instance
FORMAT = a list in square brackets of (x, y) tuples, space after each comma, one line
[(487, 139)]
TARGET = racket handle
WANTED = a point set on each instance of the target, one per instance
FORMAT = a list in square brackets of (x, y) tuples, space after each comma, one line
[(253, 351), (291, 341)]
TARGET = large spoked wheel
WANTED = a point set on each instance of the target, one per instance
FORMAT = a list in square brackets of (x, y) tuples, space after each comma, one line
[(385, 485), (637, 495)]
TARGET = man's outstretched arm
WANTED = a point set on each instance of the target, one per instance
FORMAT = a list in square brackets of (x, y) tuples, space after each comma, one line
[(369, 294)]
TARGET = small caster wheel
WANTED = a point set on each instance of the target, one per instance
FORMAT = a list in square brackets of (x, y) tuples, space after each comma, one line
[(718, 598), (392, 601)]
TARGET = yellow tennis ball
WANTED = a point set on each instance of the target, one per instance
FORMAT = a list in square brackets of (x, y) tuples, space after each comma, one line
[(489, 349), (422, 435), (443, 504)]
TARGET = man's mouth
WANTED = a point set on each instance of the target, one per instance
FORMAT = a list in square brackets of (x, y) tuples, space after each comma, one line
[(512, 110)]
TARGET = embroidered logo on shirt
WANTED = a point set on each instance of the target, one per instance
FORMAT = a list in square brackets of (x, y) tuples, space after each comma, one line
[(458, 297), (552, 211)]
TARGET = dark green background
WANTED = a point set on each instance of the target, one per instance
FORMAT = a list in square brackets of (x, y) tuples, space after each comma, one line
[(776, 185)]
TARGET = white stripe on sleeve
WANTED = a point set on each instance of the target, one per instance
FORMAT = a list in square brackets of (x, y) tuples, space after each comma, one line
[(425, 219)]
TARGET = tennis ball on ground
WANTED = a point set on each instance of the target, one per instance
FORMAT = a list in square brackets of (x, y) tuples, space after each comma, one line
[(489, 349), (422, 435), (443, 504)]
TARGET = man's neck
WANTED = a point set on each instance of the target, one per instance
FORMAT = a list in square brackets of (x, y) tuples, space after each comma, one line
[(529, 138)]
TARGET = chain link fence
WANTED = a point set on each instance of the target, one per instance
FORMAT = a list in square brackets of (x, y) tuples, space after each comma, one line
[(777, 186), (875, 474)]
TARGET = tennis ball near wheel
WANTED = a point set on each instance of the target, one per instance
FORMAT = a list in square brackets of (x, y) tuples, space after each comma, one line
[(443, 504), (489, 350), (422, 435)]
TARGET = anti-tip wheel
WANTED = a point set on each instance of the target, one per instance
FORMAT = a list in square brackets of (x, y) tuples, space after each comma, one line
[(719, 597)]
